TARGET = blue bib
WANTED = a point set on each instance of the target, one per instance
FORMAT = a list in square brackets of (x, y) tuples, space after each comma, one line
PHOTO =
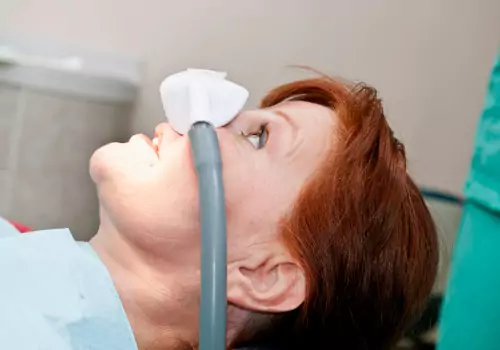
[(56, 294)]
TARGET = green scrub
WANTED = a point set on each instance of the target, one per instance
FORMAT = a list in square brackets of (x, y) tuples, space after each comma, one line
[(470, 317)]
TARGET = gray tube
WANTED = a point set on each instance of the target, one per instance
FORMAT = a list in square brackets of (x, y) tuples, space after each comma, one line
[(207, 160)]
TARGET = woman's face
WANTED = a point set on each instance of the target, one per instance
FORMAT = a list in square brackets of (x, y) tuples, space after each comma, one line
[(149, 194)]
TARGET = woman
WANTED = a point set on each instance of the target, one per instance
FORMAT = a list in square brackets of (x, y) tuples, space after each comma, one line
[(330, 244)]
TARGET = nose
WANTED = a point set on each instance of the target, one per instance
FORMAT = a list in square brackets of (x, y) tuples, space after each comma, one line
[(234, 125), (160, 130), (165, 134), (224, 131)]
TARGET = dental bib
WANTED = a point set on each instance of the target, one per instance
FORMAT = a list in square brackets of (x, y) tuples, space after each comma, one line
[(196, 95)]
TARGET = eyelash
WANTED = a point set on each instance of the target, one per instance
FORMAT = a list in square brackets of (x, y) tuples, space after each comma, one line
[(262, 137)]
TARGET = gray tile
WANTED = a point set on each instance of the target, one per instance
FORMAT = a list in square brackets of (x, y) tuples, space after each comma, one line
[(3, 192), (53, 199), (80, 205), (63, 133), (8, 111), (37, 199), (52, 183)]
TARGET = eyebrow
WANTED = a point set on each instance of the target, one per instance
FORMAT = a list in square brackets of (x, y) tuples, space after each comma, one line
[(295, 129), (285, 116), (288, 119)]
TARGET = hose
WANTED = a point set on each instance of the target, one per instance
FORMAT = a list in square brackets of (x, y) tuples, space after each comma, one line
[(207, 160)]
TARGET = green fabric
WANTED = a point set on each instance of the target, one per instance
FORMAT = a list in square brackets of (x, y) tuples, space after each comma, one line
[(470, 317), (483, 184)]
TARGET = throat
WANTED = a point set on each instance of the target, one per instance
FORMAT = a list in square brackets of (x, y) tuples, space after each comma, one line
[(161, 303)]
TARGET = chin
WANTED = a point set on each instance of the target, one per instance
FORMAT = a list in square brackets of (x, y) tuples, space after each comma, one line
[(101, 162)]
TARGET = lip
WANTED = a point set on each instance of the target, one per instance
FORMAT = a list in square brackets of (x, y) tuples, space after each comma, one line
[(146, 140), (156, 144), (164, 133)]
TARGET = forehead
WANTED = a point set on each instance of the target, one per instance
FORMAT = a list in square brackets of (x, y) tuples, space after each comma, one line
[(307, 115), (316, 125)]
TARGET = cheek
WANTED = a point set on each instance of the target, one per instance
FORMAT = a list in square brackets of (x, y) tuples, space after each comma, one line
[(239, 177), (253, 220), (249, 177)]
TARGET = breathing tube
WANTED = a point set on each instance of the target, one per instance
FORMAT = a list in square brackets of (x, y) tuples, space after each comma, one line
[(196, 102)]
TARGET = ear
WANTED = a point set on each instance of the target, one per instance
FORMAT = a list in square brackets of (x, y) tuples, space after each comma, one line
[(266, 283)]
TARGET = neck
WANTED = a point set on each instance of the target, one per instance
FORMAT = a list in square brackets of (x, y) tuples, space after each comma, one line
[(162, 311)]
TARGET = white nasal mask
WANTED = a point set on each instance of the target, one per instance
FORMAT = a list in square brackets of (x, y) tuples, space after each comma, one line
[(201, 95)]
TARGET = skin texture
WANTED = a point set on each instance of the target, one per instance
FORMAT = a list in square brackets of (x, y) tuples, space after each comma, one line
[(149, 234)]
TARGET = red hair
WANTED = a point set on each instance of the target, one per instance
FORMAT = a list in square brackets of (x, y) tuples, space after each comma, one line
[(360, 229)]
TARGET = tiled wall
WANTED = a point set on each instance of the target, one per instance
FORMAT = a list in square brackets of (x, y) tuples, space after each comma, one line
[(45, 145), (8, 110), (3, 184), (8, 102)]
